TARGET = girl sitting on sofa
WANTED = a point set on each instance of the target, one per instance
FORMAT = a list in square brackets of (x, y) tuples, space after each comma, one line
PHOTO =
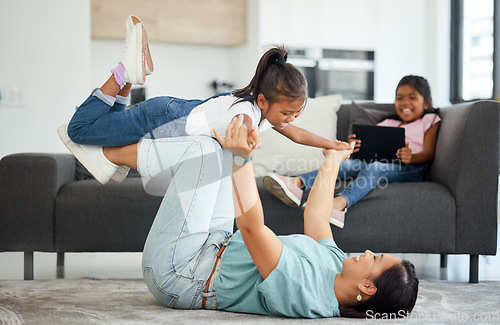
[(275, 96), (193, 260), (415, 113)]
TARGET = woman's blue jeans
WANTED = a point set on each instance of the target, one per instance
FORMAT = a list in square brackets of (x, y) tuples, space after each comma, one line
[(193, 221), (366, 176), (102, 120)]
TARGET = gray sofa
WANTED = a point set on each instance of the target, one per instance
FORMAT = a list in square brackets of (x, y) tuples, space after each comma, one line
[(43, 207)]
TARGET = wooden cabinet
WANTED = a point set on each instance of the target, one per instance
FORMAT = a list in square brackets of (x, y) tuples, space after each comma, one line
[(205, 22)]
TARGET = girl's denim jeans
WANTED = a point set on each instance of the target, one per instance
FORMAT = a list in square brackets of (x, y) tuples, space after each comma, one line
[(366, 176), (194, 219), (102, 120)]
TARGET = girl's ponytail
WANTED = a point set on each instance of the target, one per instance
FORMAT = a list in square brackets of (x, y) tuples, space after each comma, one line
[(275, 77)]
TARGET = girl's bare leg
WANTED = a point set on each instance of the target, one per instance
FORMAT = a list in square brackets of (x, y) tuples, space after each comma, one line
[(297, 182), (339, 203), (111, 88), (124, 155), (125, 91)]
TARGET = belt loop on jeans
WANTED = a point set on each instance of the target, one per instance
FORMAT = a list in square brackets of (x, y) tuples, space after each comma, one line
[(219, 254)]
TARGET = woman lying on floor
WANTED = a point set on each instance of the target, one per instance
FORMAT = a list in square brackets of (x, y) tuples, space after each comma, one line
[(193, 260)]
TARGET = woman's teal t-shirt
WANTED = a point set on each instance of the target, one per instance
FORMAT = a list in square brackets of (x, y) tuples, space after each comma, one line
[(301, 285)]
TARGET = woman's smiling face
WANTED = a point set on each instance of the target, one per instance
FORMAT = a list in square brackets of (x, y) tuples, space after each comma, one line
[(409, 103), (368, 265)]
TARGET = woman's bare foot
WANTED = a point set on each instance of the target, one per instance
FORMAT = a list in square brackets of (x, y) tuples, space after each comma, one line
[(339, 203)]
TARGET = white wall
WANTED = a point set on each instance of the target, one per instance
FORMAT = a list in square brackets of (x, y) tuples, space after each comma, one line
[(243, 59), (47, 52), (438, 54), (413, 38), (184, 71), (408, 36), (319, 23)]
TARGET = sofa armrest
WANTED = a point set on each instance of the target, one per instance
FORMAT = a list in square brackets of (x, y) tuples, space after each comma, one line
[(466, 162), (29, 184)]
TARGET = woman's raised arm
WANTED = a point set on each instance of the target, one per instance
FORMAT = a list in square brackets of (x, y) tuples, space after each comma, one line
[(320, 201), (261, 242)]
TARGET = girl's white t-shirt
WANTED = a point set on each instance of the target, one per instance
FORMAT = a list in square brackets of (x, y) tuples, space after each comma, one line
[(217, 113)]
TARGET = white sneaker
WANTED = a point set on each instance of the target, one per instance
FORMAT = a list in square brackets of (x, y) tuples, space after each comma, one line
[(133, 58), (130, 22), (91, 157), (121, 173)]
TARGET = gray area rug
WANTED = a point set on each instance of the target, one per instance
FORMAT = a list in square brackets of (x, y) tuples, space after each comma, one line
[(123, 301)]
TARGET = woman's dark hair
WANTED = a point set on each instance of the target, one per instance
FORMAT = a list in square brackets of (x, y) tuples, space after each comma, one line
[(397, 290), (275, 77), (421, 85)]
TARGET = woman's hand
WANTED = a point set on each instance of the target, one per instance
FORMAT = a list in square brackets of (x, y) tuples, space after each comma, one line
[(237, 138), (404, 154), (254, 138), (319, 203), (351, 138)]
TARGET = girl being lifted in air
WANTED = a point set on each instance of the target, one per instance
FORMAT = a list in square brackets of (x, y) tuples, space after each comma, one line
[(275, 96)]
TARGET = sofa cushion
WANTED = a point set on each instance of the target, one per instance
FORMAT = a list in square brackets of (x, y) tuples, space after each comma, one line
[(384, 221), (397, 218), (90, 216), (286, 157)]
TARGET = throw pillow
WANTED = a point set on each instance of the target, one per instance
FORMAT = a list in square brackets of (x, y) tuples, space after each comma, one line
[(367, 116), (285, 157)]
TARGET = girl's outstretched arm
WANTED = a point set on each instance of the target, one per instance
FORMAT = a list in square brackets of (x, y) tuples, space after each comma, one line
[(320, 203), (302, 136), (261, 242)]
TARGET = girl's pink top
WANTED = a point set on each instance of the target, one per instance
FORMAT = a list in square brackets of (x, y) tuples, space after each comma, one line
[(414, 131)]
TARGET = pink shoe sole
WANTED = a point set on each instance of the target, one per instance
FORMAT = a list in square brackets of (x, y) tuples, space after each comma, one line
[(338, 217), (130, 23), (278, 187)]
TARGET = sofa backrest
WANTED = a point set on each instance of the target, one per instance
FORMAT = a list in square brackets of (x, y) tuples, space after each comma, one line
[(344, 116)]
